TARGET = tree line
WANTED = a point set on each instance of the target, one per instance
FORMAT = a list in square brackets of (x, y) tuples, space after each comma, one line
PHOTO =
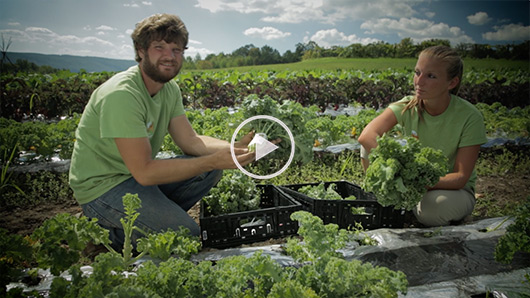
[(249, 55), (22, 65)]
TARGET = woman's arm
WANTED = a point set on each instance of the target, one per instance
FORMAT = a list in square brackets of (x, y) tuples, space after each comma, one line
[(465, 160), (376, 128)]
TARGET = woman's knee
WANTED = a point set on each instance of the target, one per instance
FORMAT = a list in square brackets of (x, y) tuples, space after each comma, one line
[(441, 207)]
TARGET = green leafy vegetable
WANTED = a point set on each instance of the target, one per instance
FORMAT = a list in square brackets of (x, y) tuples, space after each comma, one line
[(61, 239), (321, 192), (15, 251), (235, 192), (517, 237), (294, 116), (328, 274), (399, 173)]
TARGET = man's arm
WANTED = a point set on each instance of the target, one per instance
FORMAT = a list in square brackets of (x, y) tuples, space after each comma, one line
[(212, 154), (185, 137)]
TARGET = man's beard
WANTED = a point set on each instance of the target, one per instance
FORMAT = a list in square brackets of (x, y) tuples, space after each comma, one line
[(156, 75)]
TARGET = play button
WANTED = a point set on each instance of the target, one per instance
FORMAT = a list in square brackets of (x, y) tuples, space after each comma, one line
[(263, 146)]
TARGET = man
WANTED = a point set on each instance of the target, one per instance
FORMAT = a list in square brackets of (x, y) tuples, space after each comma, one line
[(122, 129)]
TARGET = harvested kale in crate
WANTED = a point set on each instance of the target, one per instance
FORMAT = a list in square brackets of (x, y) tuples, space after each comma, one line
[(346, 212), (272, 220)]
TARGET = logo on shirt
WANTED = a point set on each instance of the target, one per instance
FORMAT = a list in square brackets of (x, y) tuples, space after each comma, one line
[(150, 129)]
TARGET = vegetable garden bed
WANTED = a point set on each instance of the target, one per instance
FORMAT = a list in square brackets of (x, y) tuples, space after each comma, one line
[(503, 169)]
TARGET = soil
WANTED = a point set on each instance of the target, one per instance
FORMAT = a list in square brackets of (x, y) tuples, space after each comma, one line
[(503, 191)]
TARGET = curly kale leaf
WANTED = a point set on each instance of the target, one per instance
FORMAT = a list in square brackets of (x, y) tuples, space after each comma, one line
[(320, 192), (328, 273), (294, 116), (517, 237), (235, 192), (401, 170)]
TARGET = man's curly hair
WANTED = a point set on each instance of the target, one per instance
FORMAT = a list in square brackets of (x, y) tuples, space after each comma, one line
[(167, 27)]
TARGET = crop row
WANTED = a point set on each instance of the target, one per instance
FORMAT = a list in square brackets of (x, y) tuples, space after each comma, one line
[(39, 140), (52, 96)]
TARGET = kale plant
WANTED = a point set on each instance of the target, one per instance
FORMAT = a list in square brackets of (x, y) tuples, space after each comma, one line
[(235, 192), (400, 172), (517, 237)]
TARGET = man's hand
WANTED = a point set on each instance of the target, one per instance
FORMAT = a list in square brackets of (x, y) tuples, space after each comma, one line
[(222, 159), (243, 143)]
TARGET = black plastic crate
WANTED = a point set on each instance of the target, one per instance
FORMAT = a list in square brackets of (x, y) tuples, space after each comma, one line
[(272, 220), (339, 211)]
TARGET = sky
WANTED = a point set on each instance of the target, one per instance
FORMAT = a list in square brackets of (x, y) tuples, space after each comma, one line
[(102, 28)]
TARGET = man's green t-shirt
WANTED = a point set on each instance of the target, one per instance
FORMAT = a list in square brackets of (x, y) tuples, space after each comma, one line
[(461, 125), (119, 108)]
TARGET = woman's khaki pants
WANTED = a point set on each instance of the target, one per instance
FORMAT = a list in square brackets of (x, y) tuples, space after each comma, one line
[(441, 207)]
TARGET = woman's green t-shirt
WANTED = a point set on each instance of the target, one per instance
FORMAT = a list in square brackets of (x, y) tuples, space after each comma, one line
[(460, 125)]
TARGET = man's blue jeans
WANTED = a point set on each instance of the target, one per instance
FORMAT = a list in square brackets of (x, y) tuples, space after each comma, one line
[(163, 206)]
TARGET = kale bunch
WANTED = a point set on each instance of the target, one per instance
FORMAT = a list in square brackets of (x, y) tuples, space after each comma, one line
[(517, 237), (235, 192), (401, 170), (321, 192)]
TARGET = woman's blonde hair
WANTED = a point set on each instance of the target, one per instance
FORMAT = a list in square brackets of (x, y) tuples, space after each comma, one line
[(455, 68), (167, 27)]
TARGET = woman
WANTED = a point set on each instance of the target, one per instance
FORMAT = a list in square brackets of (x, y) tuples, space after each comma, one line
[(441, 120)]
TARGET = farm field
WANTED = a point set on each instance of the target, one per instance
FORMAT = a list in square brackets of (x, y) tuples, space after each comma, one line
[(334, 63), (498, 88)]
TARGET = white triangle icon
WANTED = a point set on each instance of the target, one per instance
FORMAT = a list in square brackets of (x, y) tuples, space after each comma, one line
[(263, 147)]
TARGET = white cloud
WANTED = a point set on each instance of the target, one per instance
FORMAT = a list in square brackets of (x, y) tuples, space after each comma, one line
[(369, 9), (105, 28), (39, 34), (267, 33), (323, 11), (133, 5), (417, 29), (147, 3), (480, 18), (511, 32), (39, 30), (193, 51), (294, 11), (246, 6), (14, 34), (89, 40), (333, 37), (53, 43), (192, 41)]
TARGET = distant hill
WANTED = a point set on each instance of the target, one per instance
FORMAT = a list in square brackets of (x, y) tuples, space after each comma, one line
[(73, 63)]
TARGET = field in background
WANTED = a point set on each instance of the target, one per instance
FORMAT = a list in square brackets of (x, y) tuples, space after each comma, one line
[(333, 63)]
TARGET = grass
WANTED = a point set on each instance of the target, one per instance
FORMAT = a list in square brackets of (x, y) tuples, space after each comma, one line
[(333, 63), (503, 161)]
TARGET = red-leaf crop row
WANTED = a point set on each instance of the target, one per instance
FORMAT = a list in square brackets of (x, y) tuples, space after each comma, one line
[(52, 96)]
